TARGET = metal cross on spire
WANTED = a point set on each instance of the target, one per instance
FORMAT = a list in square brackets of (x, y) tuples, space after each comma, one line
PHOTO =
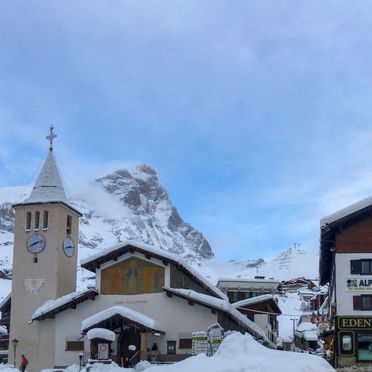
[(50, 137)]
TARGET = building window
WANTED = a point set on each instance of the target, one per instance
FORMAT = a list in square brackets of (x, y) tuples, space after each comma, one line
[(363, 267), (363, 302), (69, 224), (364, 343), (45, 219), (185, 343), (366, 266), (37, 220), (366, 302), (346, 343), (171, 347), (28, 221), (74, 345)]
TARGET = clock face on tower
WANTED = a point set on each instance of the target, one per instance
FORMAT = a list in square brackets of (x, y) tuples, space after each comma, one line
[(68, 246), (35, 243)]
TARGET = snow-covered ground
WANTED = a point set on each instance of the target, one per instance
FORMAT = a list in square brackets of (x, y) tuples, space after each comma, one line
[(290, 305), (237, 353)]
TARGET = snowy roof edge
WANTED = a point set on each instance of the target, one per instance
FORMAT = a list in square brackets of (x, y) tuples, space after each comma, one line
[(224, 306), (159, 252), (344, 212)]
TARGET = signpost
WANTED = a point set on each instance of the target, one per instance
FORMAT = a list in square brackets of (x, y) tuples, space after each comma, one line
[(215, 337), (199, 343), (207, 342)]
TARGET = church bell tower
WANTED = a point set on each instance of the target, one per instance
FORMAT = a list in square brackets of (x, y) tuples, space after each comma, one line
[(44, 261)]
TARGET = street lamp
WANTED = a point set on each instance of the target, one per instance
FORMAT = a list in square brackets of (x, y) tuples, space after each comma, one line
[(14, 343), (80, 360)]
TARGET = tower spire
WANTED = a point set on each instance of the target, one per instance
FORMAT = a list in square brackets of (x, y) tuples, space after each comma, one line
[(50, 137), (48, 186)]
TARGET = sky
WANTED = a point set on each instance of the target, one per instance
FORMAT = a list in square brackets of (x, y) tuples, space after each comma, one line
[(256, 114)]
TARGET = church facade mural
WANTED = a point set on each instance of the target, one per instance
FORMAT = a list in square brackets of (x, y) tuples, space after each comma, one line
[(132, 276)]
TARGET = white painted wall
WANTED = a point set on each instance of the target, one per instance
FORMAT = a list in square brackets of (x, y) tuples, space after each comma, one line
[(174, 314), (344, 295)]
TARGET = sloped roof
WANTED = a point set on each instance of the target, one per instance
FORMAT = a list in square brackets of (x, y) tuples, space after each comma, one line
[(361, 205), (54, 306), (222, 305), (5, 301), (48, 186), (131, 315), (332, 224), (256, 300), (94, 262)]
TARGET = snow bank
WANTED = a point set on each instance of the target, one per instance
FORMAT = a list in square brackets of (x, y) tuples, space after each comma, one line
[(237, 353), (103, 333), (241, 353), (100, 367), (6, 368)]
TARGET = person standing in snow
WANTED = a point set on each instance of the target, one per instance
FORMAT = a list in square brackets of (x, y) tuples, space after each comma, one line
[(24, 363)]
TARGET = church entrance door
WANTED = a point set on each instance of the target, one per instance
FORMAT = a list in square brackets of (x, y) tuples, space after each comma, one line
[(130, 336)]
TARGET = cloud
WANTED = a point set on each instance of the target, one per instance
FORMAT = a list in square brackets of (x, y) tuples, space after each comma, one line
[(256, 114)]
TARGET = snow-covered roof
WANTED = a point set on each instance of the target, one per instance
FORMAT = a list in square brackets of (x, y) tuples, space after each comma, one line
[(123, 311), (106, 255), (248, 280), (56, 303), (3, 330), (103, 333), (307, 330), (308, 335), (362, 204), (5, 300), (219, 304), (253, 300), (48, 186)]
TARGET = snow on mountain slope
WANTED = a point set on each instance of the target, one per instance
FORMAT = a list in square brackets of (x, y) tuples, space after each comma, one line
[(292, 263), (133, 205), (124, 205)]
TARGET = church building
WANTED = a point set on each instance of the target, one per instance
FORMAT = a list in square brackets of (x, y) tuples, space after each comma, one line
[(149, 298)]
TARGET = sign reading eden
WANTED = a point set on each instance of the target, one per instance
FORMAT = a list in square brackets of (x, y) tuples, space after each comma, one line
[(354, 323), (359, 284)]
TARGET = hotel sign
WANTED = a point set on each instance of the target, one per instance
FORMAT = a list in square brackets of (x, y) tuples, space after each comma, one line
[(359, 284), (354, 323)]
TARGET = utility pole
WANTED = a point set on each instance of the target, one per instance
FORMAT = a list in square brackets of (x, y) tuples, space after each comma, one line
[(294, 329)]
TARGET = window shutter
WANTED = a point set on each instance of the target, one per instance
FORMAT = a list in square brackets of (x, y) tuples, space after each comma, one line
[(355, 266), (357, 302)]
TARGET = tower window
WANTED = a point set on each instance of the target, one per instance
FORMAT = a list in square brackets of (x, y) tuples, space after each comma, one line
[(45, 219), (28, 221), (37, 220), (69, 224)]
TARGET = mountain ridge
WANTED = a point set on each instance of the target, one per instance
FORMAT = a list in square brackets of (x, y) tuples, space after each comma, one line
[(134, 205)]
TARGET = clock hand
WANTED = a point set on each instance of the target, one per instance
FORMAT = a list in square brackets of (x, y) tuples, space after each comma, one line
[(35, 243)]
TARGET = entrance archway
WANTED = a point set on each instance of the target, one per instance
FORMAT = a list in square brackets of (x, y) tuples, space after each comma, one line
[(129, 336)]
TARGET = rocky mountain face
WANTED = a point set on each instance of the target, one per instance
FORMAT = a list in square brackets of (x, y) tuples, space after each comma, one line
[(124, 205), (133, 205)]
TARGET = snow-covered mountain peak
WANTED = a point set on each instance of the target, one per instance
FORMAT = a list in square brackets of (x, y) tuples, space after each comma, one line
[(123, 205), (138, 189)]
